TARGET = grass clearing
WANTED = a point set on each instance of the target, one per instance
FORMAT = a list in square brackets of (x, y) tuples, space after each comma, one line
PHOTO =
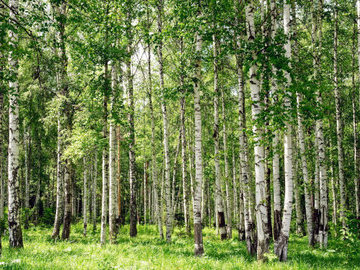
[(148, 252)]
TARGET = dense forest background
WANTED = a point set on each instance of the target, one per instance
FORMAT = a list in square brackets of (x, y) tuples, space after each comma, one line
[(232, 114)]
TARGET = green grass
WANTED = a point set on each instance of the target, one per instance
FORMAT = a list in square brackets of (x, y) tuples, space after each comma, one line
[(146, 251)]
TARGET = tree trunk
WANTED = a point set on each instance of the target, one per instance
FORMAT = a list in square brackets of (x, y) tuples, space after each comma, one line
[(15, 233), (112, 159), (154, 178), (199, 248), (339, 128), (131, 113), (281, 245), (85, 197), (250, 234), (305, 175), (261, 210), (226, 163), (94, 190), (118, 175), (27, 175), (323, 210), (185, 185), (68, 200), (218, 192), (105, 166), (165, 129), (297, 188), (357, 176)]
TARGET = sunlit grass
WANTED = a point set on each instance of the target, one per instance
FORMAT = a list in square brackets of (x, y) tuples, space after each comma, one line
[(146, 251)]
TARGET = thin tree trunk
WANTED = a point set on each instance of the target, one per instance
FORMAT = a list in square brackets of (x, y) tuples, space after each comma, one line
[(112, 159), (154, 178), (355, 149), (27, 174), (105, 165), (183, 147), (323, 211), (333, 189), (218, 183), (339, 128), (298, 208), (305, 175), (94, 190), (165, 128), (15, 233), (281, 245), (132, 162), (85, 197), (199, 248), (250, 234), (226, 164), (357, 176), (68, 200), (118, 174), (261, 210)]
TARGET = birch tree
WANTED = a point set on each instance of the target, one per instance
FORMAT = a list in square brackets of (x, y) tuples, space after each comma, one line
[(199, 248), (261, 209), (281, 245), (15, 232)]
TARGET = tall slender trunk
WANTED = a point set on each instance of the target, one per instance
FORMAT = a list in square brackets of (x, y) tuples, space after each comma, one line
[(112, 158), (316, 63), (261, 209), (305, 174), (85, 197), (339, 128), (218, 183), (27, 180), (105, 164), (250, 234), (132, 162), (2, 157), (297, 188), (185, 185), (15, 233), (357, 176), (118, 174), (198, 239), (59, 166), (154, 178), (94, 190), (167, 183), (229, 207), (355, 148), (333, 189), (323, 210), (281, 245), (68, 200)]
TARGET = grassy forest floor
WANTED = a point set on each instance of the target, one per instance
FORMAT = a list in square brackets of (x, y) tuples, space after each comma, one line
[(147, 252)]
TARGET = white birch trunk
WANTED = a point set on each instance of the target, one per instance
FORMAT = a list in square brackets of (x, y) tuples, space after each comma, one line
[(15, 233), (85, 197), (281, 245), (112, 160), (229, 207), (305, 175), (218, 183), (105, 167), (261, 209), (323, 210), (165, 130), (199, 249), (94, 190), (339, 128), (357, 178)]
